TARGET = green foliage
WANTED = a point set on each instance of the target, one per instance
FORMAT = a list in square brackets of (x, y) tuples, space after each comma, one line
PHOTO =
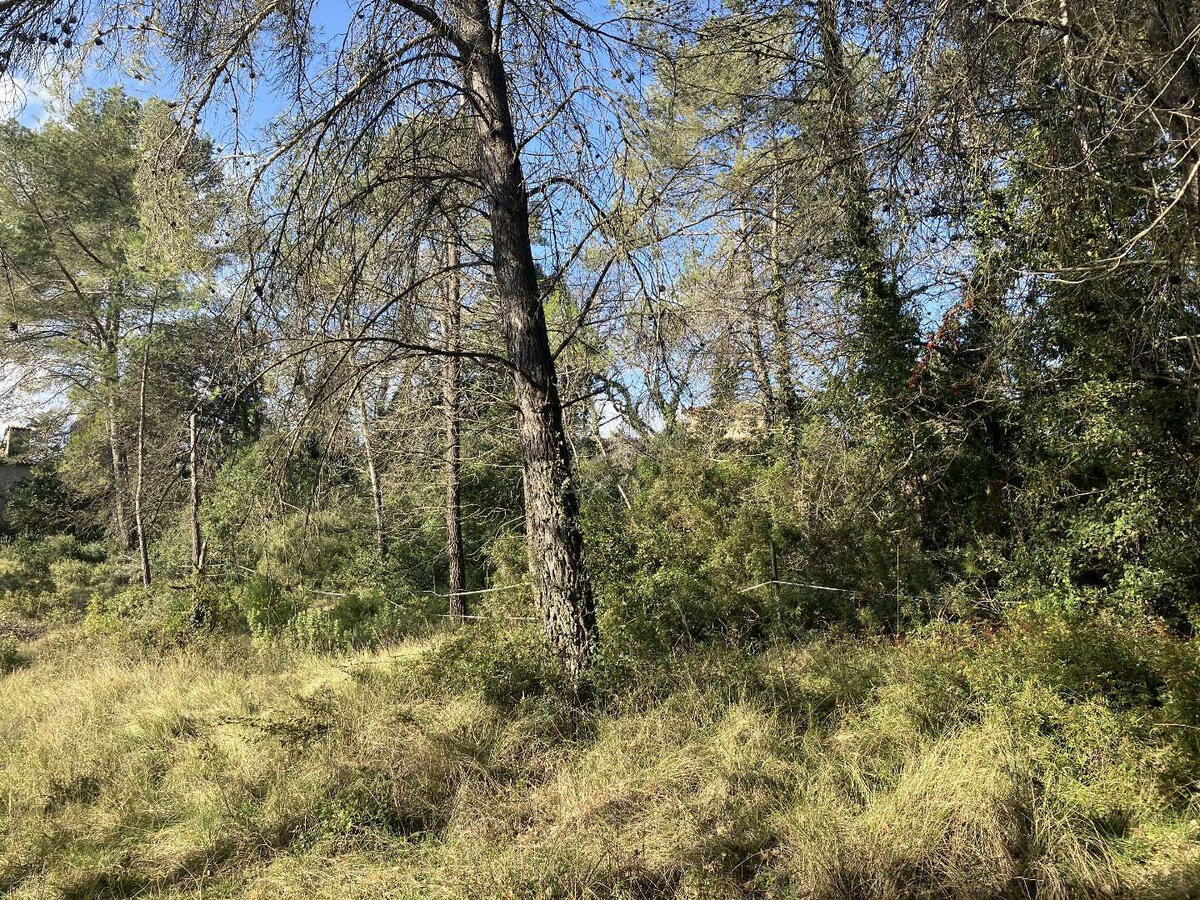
[(685, 552), (55, 577), (375, 607), (1108, 520), (311, 578), (42, 504), (10, 655), (372, 615), (150, 619), (506, 665), (670, 565)]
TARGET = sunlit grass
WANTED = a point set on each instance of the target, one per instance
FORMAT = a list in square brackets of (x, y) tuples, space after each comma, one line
[(947, 767)]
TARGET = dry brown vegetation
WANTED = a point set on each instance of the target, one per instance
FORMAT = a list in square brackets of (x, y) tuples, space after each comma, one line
[(949, 766)]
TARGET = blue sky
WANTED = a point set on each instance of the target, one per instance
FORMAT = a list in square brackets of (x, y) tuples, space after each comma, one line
[(33, 100)]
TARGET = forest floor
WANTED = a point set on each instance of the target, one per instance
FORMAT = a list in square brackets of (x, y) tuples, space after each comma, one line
[(1038, 759)]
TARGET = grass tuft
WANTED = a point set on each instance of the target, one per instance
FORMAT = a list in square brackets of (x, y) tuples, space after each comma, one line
[(952, 765)]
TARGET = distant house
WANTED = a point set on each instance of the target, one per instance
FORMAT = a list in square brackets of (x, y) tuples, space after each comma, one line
[(14, 445), (737, 422)]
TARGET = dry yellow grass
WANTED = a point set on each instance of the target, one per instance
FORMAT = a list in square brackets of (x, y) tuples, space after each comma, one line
[(234, 771)]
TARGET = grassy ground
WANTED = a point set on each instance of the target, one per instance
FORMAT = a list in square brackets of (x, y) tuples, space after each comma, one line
[(1039, 760)]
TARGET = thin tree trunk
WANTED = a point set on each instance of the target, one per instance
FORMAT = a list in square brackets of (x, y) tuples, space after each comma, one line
[(112, 386), (364, 432), (381, 543), (138, 490), (743, 264), (848, 148), (194, 494), (201, 613), (120, 513), (450, 404), (762, 372), (786, 401), (554, 537)]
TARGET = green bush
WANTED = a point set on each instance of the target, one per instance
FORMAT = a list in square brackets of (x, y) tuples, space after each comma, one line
[(9, 653), (154, 617), (266, 606), (366, 617), (371, 606), (671, 566), (43, 505), (507, 665), (684, 546), (54, 577)]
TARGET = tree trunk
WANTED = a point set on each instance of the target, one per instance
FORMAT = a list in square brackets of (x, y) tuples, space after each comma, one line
[(788, 412), (201, 614), (554, 538), (194, 494), (138, 490), (762, 371), (450, 403), (786, 401), (381, 543), (120, 514), (885, 335), (748, 298), (112, 386)]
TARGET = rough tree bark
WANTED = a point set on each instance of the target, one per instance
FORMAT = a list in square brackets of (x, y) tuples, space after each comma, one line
[(554, 538), (451, 365)]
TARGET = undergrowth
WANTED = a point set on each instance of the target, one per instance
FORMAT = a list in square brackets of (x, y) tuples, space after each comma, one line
[(1040, 760)]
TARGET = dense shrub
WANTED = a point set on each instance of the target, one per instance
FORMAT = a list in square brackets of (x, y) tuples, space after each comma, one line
[(672, 565), (506, 665), (156, 617), (9, 653), (685, 545), (372, 606), (43, 504), (55, 576)]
